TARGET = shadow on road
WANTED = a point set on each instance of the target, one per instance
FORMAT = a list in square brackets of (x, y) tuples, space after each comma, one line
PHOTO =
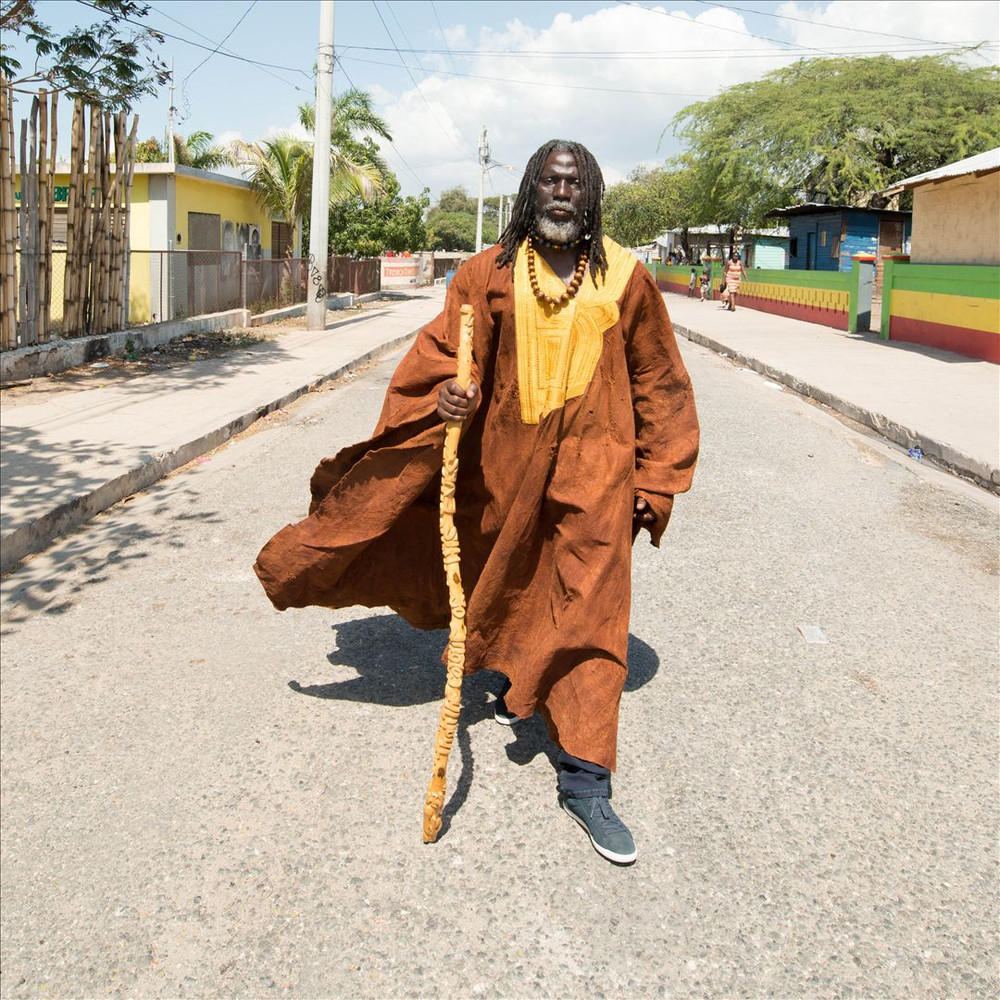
[(398, 665)]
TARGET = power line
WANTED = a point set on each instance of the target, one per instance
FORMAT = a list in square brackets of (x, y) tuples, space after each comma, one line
[(198, 45), (454, 65), (416, 85), (534, 83), (229, 52), (416, 177), (815, 24), (719, 27), (653, 54), (219, 46)]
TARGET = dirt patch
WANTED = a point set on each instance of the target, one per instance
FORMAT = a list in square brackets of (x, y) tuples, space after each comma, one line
[(958, 522)]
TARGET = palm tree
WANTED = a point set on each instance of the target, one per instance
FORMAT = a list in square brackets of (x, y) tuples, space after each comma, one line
[(356, 166), (280, 172), (280, 169), (197, 150)]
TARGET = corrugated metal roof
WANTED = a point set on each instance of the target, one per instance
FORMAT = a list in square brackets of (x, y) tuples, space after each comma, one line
[(981, 163)]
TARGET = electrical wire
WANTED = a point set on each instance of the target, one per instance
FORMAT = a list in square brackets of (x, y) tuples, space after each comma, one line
[(815, 24), (706, 54), (447, 48), (402, 159), (198, 45), (534, 83), (223, 42), (719, 27), (416, 85), (229, 52)]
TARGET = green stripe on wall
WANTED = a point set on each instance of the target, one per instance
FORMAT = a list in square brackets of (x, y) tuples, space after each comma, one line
[(947, 279)]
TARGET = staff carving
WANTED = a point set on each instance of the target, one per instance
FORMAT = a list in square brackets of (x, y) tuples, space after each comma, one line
[(450, 552)]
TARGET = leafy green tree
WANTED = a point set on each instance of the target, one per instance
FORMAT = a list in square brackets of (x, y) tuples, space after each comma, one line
[(389, 223), (197, 150), (451, 222), (457, 199), (644, 205), (839, 130), (110, 63), (451, 231)]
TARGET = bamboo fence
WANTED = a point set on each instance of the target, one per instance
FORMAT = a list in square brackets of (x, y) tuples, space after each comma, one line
[(102, 162)]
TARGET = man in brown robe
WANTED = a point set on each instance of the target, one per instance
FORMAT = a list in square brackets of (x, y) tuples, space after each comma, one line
[(580, 428)]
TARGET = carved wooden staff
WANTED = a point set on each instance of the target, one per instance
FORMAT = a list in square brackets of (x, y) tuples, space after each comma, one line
[(448, 722)]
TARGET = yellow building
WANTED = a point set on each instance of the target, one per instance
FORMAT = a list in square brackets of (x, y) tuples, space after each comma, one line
[(177, 210)]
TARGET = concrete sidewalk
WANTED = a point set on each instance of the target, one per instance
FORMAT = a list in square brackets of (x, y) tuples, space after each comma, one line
[(918, 397), (66, 459), (80, 452)]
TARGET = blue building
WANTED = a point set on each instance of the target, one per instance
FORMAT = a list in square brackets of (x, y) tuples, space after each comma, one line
[(825, 237)]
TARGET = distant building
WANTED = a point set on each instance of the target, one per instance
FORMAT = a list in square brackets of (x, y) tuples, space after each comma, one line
[(826, 237), (956, 212), (765, 248), (174, 207)]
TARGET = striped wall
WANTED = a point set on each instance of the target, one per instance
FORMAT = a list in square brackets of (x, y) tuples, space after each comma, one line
[(953, 307), (673, 277), (813, 296)]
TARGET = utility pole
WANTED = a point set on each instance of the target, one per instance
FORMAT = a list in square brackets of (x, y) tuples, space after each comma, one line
[(319, 218), (170, 118), (484, 158), (500, 219)]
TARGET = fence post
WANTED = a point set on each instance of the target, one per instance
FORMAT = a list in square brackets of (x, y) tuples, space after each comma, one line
[(887, 269), (859, 313)]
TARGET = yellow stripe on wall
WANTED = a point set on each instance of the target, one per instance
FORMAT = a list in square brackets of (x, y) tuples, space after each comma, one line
[(952, 310), (817, 298)]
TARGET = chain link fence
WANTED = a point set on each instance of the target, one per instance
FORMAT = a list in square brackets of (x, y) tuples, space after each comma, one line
[(163, 285)]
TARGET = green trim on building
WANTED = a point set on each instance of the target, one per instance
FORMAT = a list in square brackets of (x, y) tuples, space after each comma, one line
[(981, 282), (946, 279)]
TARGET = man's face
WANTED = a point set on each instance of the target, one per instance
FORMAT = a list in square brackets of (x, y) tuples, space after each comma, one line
[(559, 199)]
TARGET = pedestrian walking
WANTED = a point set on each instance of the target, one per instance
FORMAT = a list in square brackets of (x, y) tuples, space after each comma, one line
[(692, 283), (580, 430), (733, 274)]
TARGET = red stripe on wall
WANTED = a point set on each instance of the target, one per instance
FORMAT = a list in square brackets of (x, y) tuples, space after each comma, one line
[(959, 339), (809, 314), (671, 286)]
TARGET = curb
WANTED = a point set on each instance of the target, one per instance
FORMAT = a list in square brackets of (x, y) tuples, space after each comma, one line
[(942, 454), (36, 535)]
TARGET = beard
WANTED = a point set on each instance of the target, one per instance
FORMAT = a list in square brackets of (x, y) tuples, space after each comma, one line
[(568, 231)]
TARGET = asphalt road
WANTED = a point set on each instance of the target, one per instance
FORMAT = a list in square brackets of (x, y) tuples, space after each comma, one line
[(202, 797)]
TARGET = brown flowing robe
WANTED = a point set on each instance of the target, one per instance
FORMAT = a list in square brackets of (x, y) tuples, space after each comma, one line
[(544, 509)]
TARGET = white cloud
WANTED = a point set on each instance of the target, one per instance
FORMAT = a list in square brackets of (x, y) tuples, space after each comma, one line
[(621, 107), (955, 22)]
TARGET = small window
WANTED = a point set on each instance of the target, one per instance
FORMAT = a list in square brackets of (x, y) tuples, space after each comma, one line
[(793, 247), (822, 238)]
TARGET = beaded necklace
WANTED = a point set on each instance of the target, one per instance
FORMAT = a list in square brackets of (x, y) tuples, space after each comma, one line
[(571, 289), (550, 245)]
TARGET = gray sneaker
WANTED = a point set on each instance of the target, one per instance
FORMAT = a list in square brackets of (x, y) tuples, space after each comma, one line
[(609, 835)]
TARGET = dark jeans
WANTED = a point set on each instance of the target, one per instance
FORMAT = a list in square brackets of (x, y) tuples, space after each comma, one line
[(582, 779), (577, 778)]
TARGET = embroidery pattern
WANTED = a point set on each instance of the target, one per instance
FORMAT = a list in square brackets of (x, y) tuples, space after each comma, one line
[(558, 348)]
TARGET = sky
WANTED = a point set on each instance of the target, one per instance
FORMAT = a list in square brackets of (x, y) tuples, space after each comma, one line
[(609, 74)]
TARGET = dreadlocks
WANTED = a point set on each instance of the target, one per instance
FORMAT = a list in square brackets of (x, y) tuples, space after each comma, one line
[(522, 216)]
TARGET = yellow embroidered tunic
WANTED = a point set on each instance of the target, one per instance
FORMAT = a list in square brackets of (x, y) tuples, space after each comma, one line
[(581, 408)]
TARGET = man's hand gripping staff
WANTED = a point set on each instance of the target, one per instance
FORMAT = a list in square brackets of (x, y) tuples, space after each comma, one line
[(456, 595)]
